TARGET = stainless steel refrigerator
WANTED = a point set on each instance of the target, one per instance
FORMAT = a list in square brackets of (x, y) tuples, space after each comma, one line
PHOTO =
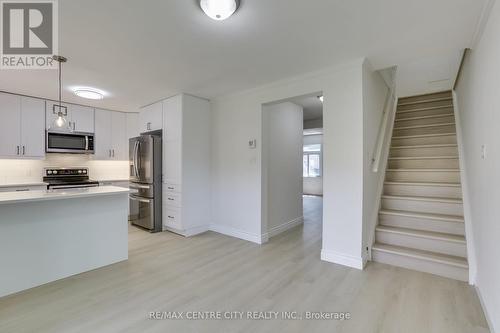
[(145, 155)]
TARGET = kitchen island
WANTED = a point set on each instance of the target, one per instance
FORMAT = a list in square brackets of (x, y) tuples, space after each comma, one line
[(50, 235)]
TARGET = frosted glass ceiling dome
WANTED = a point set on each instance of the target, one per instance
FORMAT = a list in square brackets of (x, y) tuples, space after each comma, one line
[(219, 9)]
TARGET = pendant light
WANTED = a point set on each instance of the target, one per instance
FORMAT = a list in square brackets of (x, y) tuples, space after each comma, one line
[(219, 9), (60, 123)]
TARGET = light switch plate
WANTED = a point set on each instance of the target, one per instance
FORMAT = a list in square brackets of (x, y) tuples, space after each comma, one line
[(252, 144)]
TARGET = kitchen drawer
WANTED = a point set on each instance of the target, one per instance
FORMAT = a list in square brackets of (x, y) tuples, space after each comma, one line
[(172, 199), (171, 187), (172, 217)]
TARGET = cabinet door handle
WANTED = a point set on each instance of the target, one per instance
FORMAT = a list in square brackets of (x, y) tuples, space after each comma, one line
[(24, 150), (74, 125), (113, 153), (170, 199), (170, 217), (17, 150)]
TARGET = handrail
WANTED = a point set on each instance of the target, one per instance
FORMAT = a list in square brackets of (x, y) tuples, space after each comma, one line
[(461, 67), (385, 128)]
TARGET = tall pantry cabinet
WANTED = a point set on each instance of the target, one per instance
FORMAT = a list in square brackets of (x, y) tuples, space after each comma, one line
[(186, 164)]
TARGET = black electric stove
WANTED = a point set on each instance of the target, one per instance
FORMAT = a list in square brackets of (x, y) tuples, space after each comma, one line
[(66, 178)]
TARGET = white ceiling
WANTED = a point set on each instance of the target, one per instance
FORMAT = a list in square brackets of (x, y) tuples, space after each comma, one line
[(142, 51)]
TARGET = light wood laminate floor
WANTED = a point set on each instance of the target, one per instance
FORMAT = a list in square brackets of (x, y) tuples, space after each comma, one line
[(212, 272)]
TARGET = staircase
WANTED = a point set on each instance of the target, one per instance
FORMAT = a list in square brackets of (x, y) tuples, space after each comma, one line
[(421, 224)]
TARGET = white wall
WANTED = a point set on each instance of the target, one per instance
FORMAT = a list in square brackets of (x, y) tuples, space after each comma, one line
[(313, 185), (282, 157), (313, 123), (375, 94), (13, 170), (237, 170), (479, 117)]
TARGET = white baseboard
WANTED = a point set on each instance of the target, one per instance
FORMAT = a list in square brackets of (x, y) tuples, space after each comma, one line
[(229, 231), (283, 227), (342, 259), (485, 310)]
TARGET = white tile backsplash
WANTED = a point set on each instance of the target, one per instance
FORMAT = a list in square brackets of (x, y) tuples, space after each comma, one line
[(12, 171)]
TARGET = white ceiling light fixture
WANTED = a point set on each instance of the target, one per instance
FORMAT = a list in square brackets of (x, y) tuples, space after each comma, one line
[(320, 98), (219, 9), (89, 93)]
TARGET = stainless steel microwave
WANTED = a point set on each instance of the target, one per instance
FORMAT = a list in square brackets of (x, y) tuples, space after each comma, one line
[(69, 142)]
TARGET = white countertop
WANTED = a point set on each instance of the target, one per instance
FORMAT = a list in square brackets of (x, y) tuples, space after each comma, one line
[(21, 184), (30, 196)]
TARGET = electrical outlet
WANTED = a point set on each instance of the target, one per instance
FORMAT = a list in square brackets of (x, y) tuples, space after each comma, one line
[(252, 144)]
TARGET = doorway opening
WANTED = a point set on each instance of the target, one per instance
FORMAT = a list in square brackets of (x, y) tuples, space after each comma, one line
[(292, 167)]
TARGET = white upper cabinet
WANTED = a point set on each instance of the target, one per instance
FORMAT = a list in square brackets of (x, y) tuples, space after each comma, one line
[(119, 140), (102, 143), (151, 117), (32, 127), (10, 121), (22, 130), (111, 142), (80, 118), (133, 125)]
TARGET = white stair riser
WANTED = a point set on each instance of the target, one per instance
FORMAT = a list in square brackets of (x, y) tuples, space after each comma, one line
[(425, 130), (413, 99), (425, 121), (424, 112), (423, 105), (425, 244), (425, 224), (418, 152), (423, 206), (449, 271), (424, 191), (422, 176), (442, 163), (433, 140)]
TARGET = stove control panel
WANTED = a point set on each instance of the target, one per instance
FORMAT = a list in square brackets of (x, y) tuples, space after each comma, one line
[(65, 172)]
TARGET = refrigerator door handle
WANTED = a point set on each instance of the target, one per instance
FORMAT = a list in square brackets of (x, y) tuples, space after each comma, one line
[(139, 186), (134, 159), (139, 199), (137, 159)]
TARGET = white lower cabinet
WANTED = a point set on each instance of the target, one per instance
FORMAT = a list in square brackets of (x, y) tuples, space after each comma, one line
[(172, 219)]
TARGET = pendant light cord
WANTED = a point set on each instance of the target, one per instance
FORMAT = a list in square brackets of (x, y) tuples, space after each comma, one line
[(60, 85)]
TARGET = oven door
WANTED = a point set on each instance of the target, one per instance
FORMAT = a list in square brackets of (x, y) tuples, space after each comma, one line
[(142, 212), (75, 143)]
